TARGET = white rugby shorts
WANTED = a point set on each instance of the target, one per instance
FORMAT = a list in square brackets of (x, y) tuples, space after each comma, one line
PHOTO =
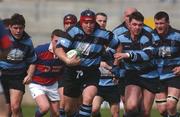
[(51, 91)]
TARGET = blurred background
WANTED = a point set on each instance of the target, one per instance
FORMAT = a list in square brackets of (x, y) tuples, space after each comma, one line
[(43, 16)]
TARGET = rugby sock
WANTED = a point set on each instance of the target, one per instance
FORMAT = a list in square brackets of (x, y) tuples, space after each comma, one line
[(62, 113), (85, 110), (135, 113), (176, 115), (165, 116), (38, 113), (124, 115)]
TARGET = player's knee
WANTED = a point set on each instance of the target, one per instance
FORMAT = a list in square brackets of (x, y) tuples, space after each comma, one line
[(115, 114), (115, 111), (44, 109), (171, 106), (69, 110), (130, 107), (161, 106), (171, 102), (87, 100), (95, 110), (15, 108), (162, 111), (146, 113)]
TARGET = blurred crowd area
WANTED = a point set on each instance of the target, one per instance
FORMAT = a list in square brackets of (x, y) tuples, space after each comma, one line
[(43, 16)]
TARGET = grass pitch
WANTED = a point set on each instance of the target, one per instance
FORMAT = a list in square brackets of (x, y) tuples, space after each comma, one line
[(29, 110)]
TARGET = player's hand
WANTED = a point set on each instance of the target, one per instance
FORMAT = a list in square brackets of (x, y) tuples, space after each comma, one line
[(115, 81), (105, 65), (120, 56), (27, 79), (176, 70), (74, 61)]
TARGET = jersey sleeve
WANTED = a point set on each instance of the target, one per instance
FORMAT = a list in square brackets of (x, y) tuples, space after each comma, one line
[(5, 41)]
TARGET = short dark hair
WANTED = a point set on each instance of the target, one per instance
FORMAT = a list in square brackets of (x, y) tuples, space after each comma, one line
[(17, 19), (161, 14), (56, 32), (101, 13), (71, 17), (6, 22), (137, 16)]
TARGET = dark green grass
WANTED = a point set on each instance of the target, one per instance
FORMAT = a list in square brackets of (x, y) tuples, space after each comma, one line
[(28, 111), (106, 113)]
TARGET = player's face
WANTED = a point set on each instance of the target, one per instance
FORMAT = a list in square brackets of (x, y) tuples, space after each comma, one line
[(102, 21), (135, 27), (161, 26), (54, 40), (88, 26), (17, 31), (68, 23)]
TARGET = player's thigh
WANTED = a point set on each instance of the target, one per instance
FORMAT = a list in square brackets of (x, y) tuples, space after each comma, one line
[(72, 85), (38, 94), (114, 107), (54, 107), (52, 92), (16, 97), (133, 95), (42, 102), (61, 95), (71, 104), (3, 107), (161, 101), (172, 91), (97, 101), (148, 99), (89, 93), (173, 96), (60, 90)]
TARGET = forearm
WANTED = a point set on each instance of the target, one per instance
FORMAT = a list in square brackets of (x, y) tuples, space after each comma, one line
[(31, 70), (61, 54)]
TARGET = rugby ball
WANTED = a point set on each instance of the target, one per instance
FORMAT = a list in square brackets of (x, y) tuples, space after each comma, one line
[(73, 52)]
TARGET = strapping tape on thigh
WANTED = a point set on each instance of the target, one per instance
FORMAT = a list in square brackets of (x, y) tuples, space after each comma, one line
[(160, 101), (173, 98)]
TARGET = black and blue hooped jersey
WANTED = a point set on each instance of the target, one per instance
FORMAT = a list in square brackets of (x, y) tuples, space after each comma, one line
[(122, 28), (141, 52), (20, 56), (90, 46), (119, 30), (106, 78), (167, 52)]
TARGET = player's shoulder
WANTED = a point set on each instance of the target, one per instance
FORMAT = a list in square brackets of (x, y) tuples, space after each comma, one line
[(42, 47), (74, 30), (26, 39), (119, 26)]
